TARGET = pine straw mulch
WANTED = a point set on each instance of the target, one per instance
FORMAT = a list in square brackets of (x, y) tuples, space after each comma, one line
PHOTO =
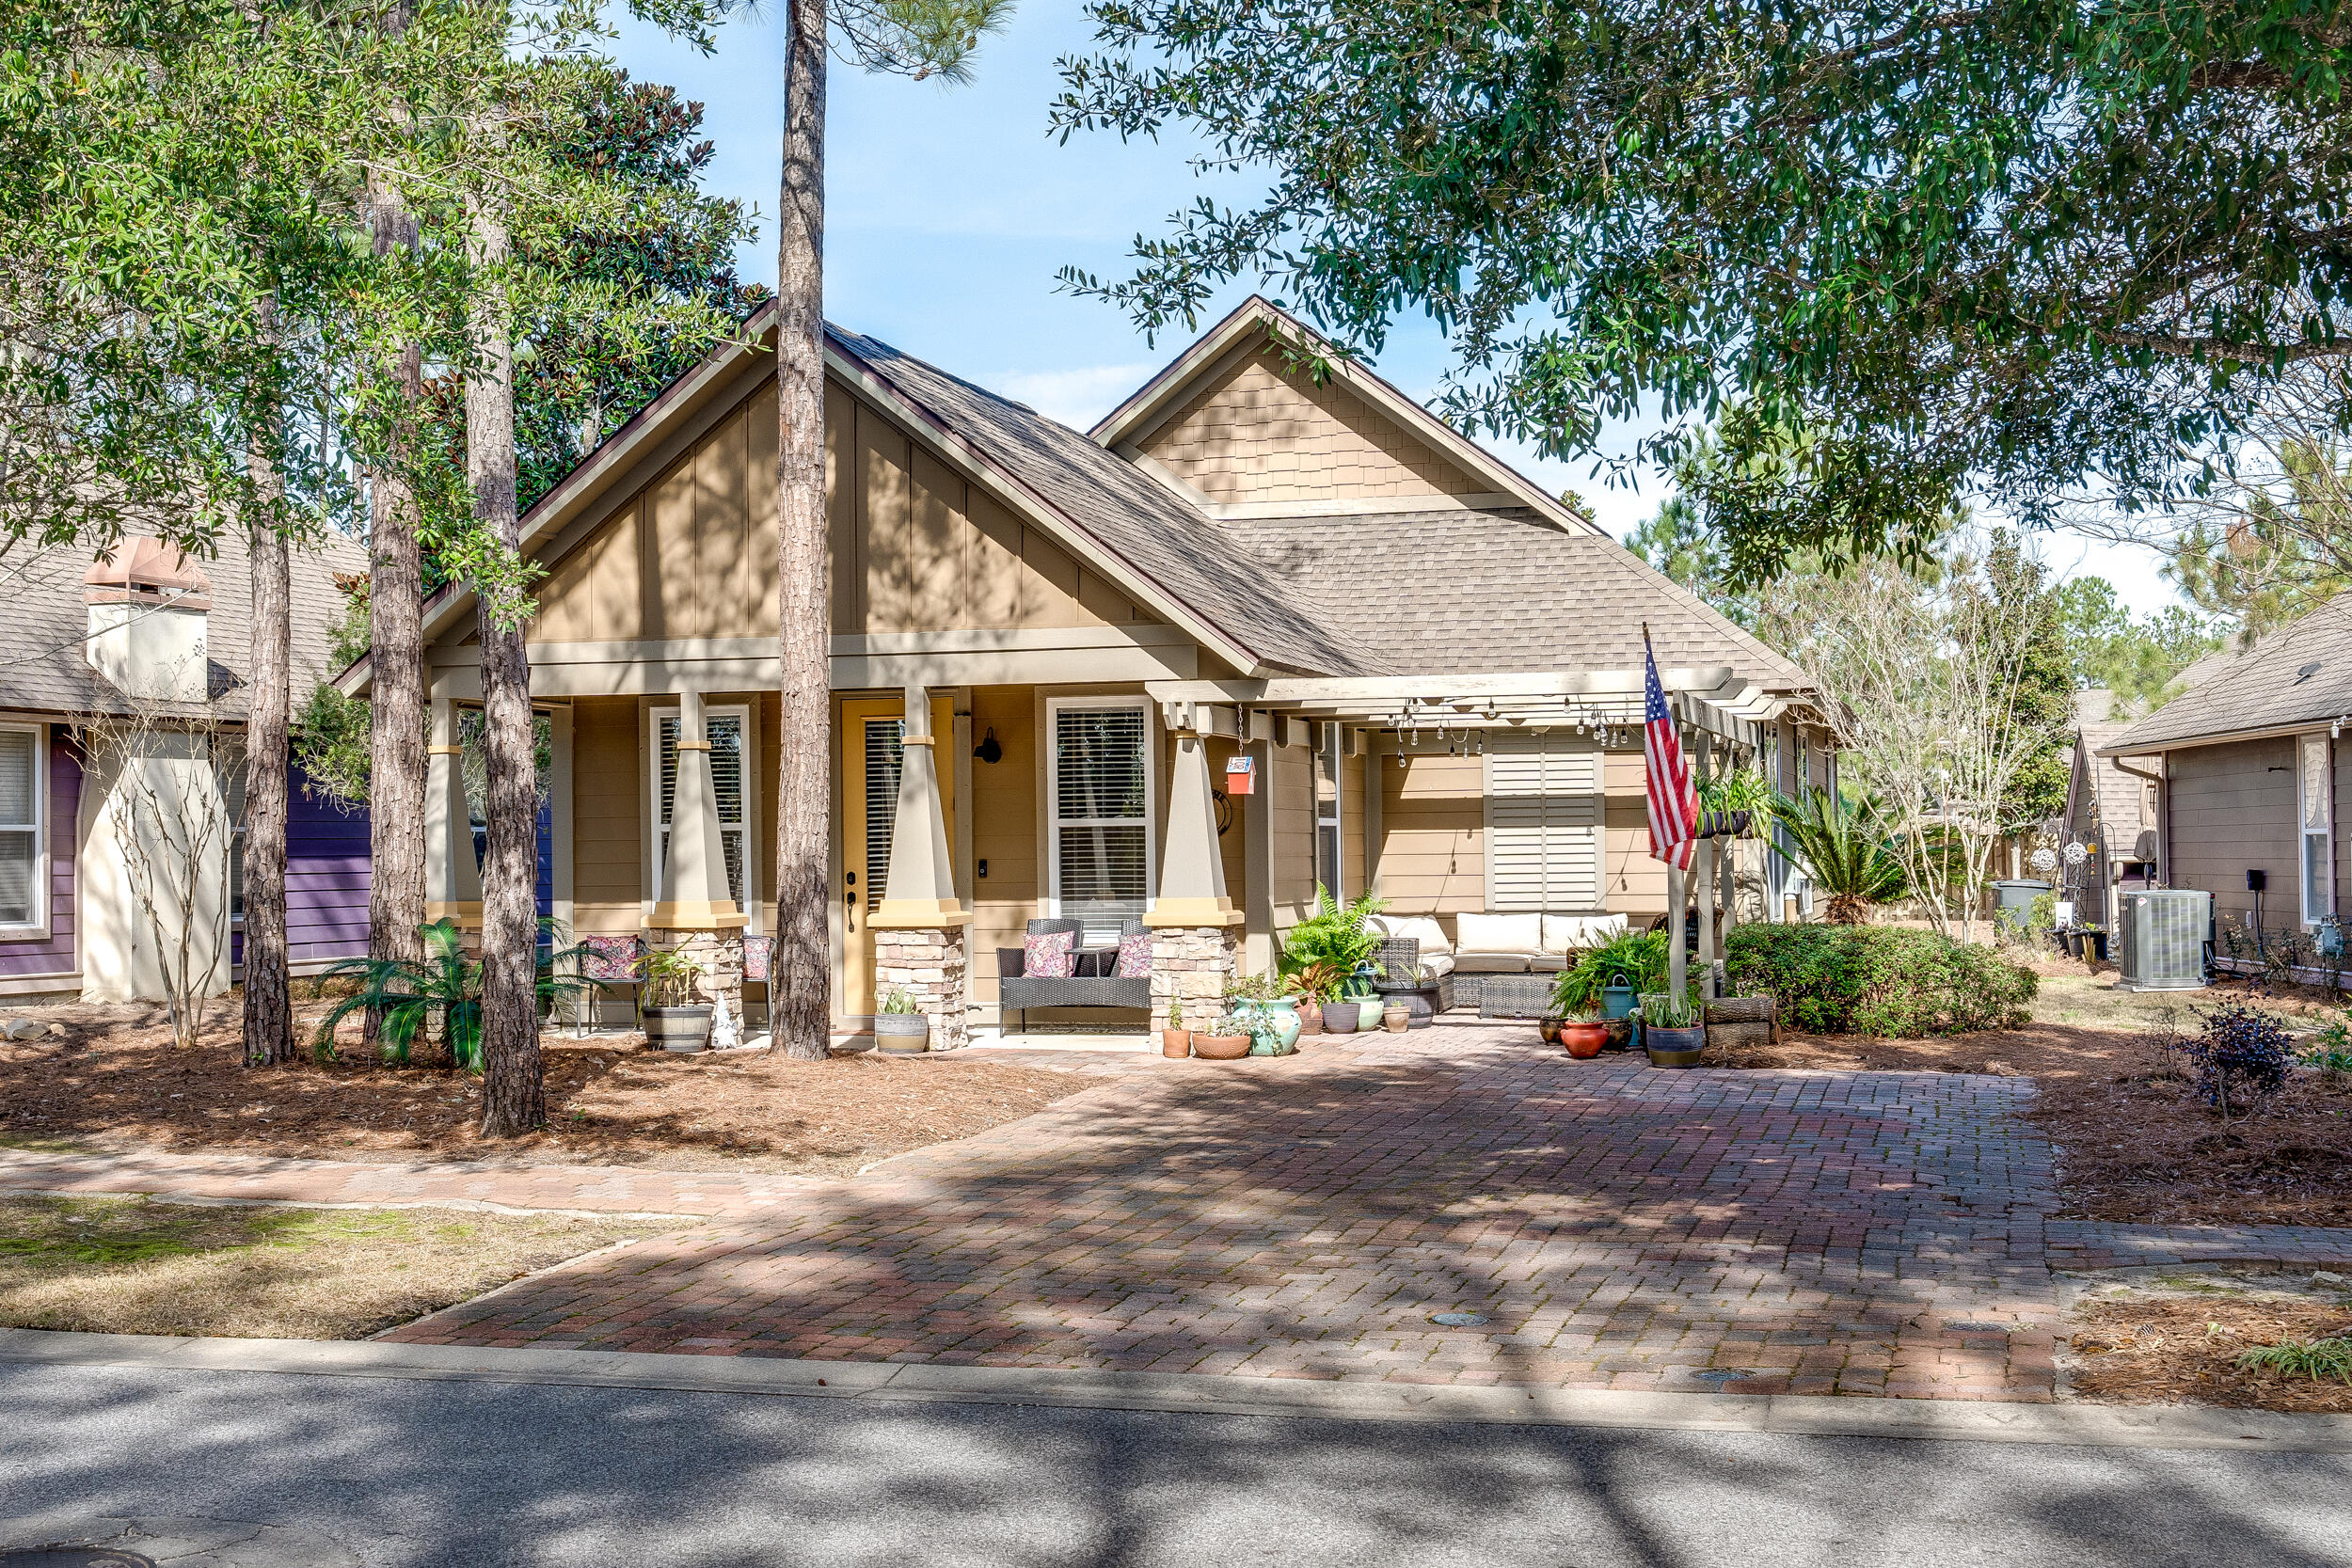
[(114, 1080), (2184, 1349), (2135, 1144)]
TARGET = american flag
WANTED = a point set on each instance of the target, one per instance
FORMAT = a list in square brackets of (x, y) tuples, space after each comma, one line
[(1673, 800)]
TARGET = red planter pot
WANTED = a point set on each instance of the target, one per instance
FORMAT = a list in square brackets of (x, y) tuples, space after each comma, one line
[(1583, 1040)]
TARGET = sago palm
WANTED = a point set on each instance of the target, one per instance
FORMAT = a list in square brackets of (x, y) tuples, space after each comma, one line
[(1843, 849), (409, 994)]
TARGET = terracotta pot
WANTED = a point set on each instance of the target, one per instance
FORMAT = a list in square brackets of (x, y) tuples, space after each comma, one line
[(1221, 1048), (1396, 1018), (1175, 1042), (1585, 1040), (1310, 1018)]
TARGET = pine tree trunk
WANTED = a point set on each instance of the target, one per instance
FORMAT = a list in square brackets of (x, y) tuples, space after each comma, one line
[(396, 715), (514, 1090), (802, 1009), (268, 987)]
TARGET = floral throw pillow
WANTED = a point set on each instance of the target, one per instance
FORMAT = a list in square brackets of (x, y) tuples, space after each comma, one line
[(1135, 955), (1053, 956)]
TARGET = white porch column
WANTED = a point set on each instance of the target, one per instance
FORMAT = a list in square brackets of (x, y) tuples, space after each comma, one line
[(920, 925), (1704, 863), (1195, 928), (697, 912), (453, 878)]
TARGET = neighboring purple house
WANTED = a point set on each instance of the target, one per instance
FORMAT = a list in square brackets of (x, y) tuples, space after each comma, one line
[(85, 647)]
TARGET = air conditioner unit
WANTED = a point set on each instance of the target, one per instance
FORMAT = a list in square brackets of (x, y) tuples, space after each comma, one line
[(2161, 936)]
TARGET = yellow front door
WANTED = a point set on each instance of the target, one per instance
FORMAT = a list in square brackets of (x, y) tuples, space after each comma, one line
[(870, 751)]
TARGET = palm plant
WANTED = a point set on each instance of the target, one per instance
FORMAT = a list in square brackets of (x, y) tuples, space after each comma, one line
[(409, 995), (1843, 849)]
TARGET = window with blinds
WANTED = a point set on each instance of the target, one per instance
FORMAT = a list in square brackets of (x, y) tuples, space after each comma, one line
[(20, 826), (2318, 820), (1544, 815), (885, 762), (1100, 789), (1327, 796), (727, 729)]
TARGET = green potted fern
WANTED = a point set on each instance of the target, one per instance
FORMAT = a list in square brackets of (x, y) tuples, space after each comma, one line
[(901, 1028)]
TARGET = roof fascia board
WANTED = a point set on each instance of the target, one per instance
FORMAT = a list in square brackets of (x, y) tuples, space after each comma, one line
[(1152, 404), (975, 464), (1708, 682), (2227, 738)]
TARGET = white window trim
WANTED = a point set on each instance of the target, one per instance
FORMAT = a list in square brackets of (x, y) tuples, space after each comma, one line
[(1332, 750), (36, 929), (749, 713), (2311, 910), (1054, 822)]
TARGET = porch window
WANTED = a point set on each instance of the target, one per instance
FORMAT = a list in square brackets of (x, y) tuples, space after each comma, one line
[(1543, 823), (2318, 819), (1327, 795), (1099, 837), (20, 826), (729, 729)]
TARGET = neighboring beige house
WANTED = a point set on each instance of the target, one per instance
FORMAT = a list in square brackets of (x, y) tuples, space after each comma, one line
[(2110, 805), (2250, 776), (1050, 650)]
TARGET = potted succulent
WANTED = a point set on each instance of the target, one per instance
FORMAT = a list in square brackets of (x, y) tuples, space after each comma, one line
[(899, 1028), (1583, 1033), (674, 1021), (1176, 1041), (1673, 1028), (1225, 1039)]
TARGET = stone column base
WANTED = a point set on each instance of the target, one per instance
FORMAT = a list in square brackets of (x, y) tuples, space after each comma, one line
[(1193, 964), (719, 986), (928, 964)]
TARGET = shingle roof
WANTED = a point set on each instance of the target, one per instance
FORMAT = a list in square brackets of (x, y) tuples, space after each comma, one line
[(1441, 592), (1499, 589), (2115, 795), (1136, 517), (2298, 674), (42, 669)]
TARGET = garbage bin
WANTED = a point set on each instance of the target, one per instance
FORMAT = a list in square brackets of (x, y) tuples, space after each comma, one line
[(2012, 899)]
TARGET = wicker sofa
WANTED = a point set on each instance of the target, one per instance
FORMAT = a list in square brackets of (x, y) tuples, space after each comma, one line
[(1096, 984), (1486, 945)]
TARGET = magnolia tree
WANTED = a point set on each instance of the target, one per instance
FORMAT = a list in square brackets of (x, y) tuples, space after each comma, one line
[(1926, 685)]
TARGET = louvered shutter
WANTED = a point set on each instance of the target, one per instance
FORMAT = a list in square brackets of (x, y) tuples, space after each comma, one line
[(1543, 823), (1101, 815), (726, 734), (885, 761)]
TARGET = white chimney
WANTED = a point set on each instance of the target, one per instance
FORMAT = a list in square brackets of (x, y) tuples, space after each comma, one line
[(149, 608)]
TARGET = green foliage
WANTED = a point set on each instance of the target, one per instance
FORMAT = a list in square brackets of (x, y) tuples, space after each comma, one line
[(1884, 980), (2280, 558), (1666, 1010), (444, 987), (2135, 659), (1743, 789), (2317, 1360), (898, 1004), (1843, 848), (2014, 591), (2011, 245), (2329, 1052), (668, 974), (1637, 959), (331, 744), (1322, 951)]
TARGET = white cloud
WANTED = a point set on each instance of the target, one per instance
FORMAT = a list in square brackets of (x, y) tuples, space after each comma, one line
[(1075, 397)]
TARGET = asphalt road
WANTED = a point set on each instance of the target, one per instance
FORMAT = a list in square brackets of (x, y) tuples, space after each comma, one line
[(474, 1474)]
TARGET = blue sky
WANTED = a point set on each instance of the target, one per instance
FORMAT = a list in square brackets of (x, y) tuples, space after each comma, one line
[(950, 211)]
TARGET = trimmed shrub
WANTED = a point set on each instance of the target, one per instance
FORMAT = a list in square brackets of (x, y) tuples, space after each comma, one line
[(1878, 979)]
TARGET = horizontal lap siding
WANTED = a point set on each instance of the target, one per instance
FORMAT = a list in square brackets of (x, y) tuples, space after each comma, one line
[(2233, 810), (1289, 797), (1432, 831), (326, 874), (1636, 883), (54, 953)]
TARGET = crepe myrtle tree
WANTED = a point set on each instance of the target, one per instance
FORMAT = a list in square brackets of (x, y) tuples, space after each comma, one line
[(2014, 247)]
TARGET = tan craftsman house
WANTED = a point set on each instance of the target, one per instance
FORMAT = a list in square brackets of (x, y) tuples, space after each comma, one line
[(1259, 629)]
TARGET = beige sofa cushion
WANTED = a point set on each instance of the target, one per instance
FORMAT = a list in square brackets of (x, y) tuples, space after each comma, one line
[(1490, 963), (1432, 937), (1522, 934), (1566, 933)]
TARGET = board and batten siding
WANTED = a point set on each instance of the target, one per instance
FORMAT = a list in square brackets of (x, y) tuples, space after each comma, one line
[(913, 547), (55, 953), (2232, 809), (1005, 812), (608, 792)]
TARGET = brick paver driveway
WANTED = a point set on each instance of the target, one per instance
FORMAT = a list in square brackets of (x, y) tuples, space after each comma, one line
[(1617, 1226)]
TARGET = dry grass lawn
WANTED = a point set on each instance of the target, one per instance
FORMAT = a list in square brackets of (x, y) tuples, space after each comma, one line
[(122, 1265)]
